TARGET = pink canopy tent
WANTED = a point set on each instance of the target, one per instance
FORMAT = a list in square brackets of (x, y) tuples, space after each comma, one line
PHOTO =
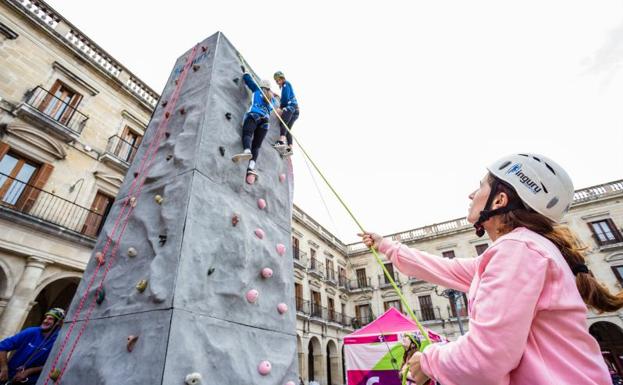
[(374, 352)]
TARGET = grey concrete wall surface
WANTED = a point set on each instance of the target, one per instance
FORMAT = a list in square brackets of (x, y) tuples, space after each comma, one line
[(193, 315)]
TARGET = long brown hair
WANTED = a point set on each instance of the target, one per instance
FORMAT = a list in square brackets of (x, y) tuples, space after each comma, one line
[(594, 293)]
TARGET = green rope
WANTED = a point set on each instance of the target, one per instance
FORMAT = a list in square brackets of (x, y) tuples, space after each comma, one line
[(426, 341)]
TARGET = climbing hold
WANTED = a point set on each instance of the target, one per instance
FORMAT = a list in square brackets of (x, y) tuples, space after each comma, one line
[(167, 114), (267, 272), (141, 285), (133, 201), (261, 203), (167, 134), (221, 149), (282, 178), (204, 48), (100, 258), (282, 308), (211, 270), (259, 233), (228, 115), (177, 81), (132, 252), (135, 174), (169, 157), (193, 379), (252, 295), (250, 179), (290, 383), (158, 199), (264, 368), (196, 67), (281, 249), (100, 295), (236, 80), (164, 103), (55, 374), (182, 111), (234, 220), (131, 342), (162, 239)]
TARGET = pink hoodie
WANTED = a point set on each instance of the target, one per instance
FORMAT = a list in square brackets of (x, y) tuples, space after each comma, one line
[(527, 321)]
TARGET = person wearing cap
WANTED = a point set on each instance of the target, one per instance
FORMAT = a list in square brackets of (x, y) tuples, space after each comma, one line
[(289, 112), (31, 348), (527, 293), (255, 122)]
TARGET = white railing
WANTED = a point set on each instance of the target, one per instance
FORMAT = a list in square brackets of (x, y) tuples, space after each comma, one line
[(84, 45), (41, 12), (141, 90), (599, 191)]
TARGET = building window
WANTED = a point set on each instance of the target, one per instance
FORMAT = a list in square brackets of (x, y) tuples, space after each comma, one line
[(330, 270), (362, 279), (312, 253), (298, 296), (618, 272), (60, 103), (341, 276), (395, 304), (450, 254), (458, 304), (363, 314), (605, 232), (331, 308), (316, 304), (481, 248), (128, 145), (15, 173), (390, 270), (97, 216), (295, 248), (426, 308)]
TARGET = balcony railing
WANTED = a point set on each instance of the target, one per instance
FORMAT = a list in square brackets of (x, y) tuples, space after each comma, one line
[(331, 277), (121, 149), (303, 306), (314, 310), (359, 322), (57, 109), (342, 282), (316, 268), (429, 314), (360, 284), (384, 282), (35, 203)]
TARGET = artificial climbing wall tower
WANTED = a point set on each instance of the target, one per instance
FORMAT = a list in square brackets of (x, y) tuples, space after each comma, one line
[(191, 280)]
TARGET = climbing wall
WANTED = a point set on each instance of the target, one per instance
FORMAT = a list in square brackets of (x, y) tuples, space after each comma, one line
[(191, 280)]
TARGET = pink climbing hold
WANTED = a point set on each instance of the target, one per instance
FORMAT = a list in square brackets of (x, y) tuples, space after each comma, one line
[(250, 178), (282, 178), (281, 249), (259, 233), (264, 368), (282, 308), (261, 203), (252, 295), (267, 272)]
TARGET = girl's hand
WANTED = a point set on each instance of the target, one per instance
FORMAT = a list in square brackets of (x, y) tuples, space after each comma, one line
[(416, 370), (371, 240)]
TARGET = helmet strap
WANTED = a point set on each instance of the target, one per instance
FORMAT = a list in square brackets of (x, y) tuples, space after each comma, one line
[(487, 213)]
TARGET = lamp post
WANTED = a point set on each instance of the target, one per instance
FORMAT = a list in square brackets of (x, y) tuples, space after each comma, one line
[(452, 295)]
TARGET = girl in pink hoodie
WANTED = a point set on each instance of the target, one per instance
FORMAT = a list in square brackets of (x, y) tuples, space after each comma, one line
[(527, 293)]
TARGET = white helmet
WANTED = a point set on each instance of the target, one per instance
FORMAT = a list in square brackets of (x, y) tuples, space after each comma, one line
[(541, 183), (265, 84)]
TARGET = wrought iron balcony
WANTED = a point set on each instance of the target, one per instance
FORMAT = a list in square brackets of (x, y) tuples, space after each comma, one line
[(52, 114), (384, 282), (429, 314), (316, 268), (299, 258), (119, 153), (361, 321), (303, 307), (359, 284), (342, 282), (331, 278), (25, 202)]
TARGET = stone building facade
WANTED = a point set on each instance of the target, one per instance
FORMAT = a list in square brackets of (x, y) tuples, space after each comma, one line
[(71, 117)]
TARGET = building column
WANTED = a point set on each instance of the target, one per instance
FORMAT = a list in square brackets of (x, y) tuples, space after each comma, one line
[(320, 368), (20, 303), (336, 368)]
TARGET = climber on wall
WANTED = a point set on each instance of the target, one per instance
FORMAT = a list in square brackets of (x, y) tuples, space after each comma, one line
[(289, 112), (255, 122), (31, 348)]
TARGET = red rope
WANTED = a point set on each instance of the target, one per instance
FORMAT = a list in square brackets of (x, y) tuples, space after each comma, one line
[(144, 166)]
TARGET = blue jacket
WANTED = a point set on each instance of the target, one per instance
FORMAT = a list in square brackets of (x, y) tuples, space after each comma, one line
[(259, 105), (287, 96), (29, 342)]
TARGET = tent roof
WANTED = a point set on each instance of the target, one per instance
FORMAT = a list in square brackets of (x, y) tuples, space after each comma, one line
[(392, 321)]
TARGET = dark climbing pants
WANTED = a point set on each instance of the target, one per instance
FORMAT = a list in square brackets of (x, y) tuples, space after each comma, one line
[(254, 131), (289, 116)]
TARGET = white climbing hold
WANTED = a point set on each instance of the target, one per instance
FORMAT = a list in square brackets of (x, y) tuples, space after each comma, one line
[(133, 201), (261, 203), (282, 308), (290, 383), (281, 249), (99, 256), (158, 199), (264, 368), (282, 178), (259, 233), (132, 252), (252, 295), (193, 379), (267, 272)]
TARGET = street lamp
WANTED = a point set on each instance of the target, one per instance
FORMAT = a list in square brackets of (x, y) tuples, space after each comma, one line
[(452, 295)]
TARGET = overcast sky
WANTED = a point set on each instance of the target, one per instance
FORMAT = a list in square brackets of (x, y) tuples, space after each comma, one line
[(403, 104)]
